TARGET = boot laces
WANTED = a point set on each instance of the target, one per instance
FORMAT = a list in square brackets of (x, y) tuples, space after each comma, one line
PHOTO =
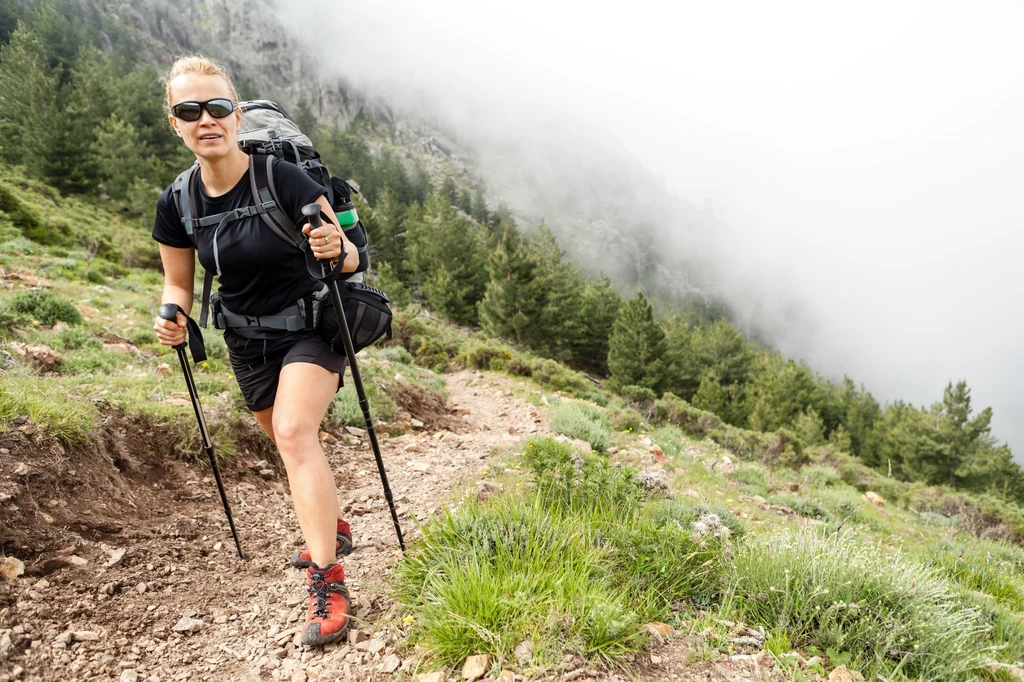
[(318, 588)]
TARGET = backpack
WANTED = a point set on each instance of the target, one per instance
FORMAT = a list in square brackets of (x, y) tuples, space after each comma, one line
[(268, 132)]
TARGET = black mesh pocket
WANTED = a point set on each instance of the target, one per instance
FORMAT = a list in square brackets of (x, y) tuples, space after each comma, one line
[(367, 313)]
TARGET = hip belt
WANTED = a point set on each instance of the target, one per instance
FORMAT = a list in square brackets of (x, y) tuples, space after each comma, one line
[(304, 314)]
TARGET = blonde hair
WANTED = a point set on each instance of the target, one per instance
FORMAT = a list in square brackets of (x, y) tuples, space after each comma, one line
[(195, 64)]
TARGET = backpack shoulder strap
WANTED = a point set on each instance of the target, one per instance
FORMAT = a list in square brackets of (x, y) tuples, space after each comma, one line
[(264, 191), (184, 193)]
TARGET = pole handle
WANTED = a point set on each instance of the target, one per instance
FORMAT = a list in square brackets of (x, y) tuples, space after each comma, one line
[(312, 213), (169, 312)]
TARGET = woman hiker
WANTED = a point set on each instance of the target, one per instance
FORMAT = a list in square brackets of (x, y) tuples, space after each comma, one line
[(288, 378)]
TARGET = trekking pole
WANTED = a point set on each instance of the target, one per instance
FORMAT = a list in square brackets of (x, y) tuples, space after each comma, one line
[(312, 212), (169, 311)]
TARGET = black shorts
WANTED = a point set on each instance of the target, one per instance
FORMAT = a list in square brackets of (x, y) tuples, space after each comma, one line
[(257, 362)]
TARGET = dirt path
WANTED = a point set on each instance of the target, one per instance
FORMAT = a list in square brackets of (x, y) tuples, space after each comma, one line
[(166, 599)]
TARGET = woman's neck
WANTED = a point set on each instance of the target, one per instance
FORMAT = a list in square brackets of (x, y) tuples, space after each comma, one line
[(221, 174)]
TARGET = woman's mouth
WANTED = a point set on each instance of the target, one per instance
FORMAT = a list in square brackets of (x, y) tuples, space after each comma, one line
[(209, 137)]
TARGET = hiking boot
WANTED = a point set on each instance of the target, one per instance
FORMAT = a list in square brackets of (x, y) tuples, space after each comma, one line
[(327, 619), (343, 547)]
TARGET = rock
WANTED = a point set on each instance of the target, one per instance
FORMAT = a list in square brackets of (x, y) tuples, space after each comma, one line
[(356, 431), (875, 499), (842, 674), (266, 473), (64, 637), (76, 560), (421, 467), (85, 636), (506, 676), (414, 447), (41, 585), (42, 357), (11, 568), (391, 664), (21, 469), (116, 557), (436, 676), (417, 424), (165, 370), (581, 445), (524, 651), (475, 666), (660, 632), (129, 675), (141, 588), (487, 489), (726, 460), (188, 625), (793, 487), (327, 438), (375, 646), (357, 636), (659, 454), (5, 646)]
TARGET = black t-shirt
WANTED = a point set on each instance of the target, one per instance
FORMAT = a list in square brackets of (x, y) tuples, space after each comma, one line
[(259, 273)]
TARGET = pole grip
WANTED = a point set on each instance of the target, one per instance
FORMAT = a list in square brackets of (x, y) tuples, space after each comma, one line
[(169, 312), (312, 213)]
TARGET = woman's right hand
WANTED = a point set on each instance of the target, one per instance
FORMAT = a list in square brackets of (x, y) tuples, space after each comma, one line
[(170, 333)]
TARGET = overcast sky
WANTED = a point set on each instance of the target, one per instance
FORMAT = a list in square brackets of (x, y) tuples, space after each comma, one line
[(866, 159)]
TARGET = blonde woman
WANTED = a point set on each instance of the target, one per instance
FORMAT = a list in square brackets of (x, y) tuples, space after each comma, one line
[(288, 378)]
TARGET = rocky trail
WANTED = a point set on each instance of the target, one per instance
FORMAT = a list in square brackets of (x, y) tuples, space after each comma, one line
[(145, 585)]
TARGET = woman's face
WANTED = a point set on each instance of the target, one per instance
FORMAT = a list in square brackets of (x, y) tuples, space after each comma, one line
[(209, 137)]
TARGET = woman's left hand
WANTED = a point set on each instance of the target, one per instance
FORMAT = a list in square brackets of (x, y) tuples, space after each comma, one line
[(325, 241)]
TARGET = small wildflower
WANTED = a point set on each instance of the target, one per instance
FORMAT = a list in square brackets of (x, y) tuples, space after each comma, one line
[(408, 619)]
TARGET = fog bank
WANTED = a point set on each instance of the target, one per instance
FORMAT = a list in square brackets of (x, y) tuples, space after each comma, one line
[(864, 163)]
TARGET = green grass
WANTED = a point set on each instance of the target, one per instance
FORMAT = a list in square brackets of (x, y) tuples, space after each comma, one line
[(892, 615), (64, 416), (575, 563)]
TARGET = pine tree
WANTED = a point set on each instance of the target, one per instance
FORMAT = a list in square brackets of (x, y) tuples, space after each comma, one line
[(478, 207), (512, 304), (637, 348), (600, 307), (450, 191), (28, 102), (121, 158), (437, 239), (385, 227)]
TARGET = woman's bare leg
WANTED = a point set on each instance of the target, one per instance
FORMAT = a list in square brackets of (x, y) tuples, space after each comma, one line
[(303, 394)]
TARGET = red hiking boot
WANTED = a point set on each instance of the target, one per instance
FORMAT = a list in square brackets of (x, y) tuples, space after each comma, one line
[(327, 619), (343, 547)]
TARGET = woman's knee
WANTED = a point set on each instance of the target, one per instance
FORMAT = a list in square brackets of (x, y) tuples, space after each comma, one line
[(294, 434)]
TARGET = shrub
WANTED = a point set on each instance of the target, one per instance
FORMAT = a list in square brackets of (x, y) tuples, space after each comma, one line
[(567, 480), (481, 355), (625, 419), (584, 421), (559, 377), (676, 411), (43, 306), (74, 338)]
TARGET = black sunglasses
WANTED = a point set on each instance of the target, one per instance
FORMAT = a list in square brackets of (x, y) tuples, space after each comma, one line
[(192, 111)]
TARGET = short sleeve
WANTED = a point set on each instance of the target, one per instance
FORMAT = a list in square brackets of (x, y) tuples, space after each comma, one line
[(295, 189), (167, 227)]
